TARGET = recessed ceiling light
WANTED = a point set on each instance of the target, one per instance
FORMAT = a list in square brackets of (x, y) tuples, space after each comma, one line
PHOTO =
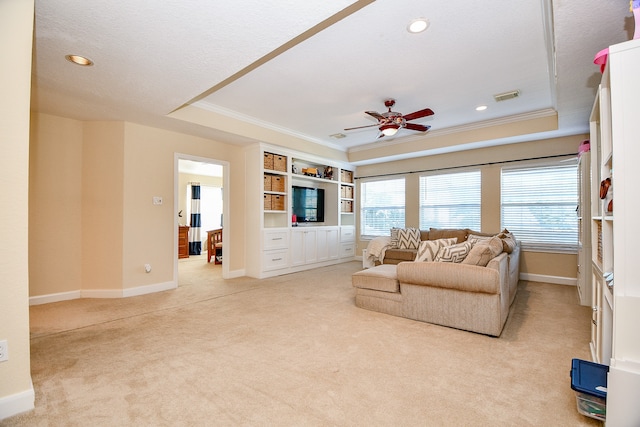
[(481, 107), (418, 25), (338, 135), (80, 60)]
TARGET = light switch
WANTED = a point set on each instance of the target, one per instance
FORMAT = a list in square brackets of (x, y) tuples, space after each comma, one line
[(157, 200)]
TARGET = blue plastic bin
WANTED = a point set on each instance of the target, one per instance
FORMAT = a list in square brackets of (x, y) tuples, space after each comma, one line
[(589, 380)]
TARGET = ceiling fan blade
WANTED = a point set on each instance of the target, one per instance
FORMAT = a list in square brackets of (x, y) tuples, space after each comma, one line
[(360, 127), (418, 114), (414, 126), (376, 115)]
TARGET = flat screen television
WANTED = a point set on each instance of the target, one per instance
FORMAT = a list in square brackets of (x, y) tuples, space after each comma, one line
[(308, 204)]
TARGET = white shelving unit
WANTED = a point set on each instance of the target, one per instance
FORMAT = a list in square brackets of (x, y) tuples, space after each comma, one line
[(585, 292), (279, 244), (615, 150)]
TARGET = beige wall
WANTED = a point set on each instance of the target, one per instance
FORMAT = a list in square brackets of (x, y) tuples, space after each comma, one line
[(93, 189), (546, 264), (16, 29), (102, 205), (55, 204)]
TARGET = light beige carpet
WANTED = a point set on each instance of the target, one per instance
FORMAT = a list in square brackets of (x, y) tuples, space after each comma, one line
[(295, 351)]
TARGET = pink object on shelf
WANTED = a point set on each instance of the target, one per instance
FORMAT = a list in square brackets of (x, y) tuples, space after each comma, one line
[(601, 59), (585, 146)]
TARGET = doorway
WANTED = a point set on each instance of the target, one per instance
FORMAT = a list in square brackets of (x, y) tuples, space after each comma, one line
[(212, 175)]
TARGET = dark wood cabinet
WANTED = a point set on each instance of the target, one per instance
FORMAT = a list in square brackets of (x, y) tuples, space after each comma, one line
[(183, 241)]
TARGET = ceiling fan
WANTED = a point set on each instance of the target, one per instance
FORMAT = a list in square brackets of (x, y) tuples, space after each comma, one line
[(390, 122)]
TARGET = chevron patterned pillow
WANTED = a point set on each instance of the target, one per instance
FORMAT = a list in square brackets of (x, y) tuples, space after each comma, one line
[(408, 238), (394, 237), (428, 249), (455, 253)]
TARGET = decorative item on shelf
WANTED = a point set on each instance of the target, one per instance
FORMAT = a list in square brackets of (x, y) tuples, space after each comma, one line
[(328, 172), (294, 220), (606, 194), (604, 187), (294, 169), (310, 171), (602, 56), (584, 147)]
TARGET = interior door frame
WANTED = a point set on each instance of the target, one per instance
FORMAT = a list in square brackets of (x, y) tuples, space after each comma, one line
[(226, 242)]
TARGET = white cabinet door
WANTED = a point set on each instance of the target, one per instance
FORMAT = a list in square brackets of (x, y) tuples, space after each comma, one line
[(332, 243), (303, 247), (327, 244)]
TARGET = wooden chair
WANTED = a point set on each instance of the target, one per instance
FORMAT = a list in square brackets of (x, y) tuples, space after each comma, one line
[(214, 245)]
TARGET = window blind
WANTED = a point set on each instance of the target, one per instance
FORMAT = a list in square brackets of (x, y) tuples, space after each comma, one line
[(538, 205), (450, 200), (382, 206)]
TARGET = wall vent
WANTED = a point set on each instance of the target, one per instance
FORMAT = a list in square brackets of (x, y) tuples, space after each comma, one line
[(506, 95)]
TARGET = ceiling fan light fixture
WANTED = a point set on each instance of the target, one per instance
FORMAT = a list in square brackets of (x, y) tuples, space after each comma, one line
[(389, 130), (79, 60), (418, 25)]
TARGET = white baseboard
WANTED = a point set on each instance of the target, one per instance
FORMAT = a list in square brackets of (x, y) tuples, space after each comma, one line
[(236, 273), (46, 299), (17, 403), (556, 280), (149, 289), (102, 293)]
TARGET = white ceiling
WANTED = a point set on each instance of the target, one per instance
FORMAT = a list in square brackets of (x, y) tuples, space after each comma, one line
[(311, 69)]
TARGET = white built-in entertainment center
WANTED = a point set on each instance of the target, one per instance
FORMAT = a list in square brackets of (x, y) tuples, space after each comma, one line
[(277, 243)]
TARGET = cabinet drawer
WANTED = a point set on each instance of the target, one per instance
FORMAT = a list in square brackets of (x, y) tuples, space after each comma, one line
[(276, 240), (347, 251), (274, 260), (347, 234)]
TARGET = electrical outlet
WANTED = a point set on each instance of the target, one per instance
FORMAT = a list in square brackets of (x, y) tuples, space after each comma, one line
[(4, 351)]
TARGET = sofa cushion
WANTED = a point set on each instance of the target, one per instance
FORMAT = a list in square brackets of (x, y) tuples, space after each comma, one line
[(454, 253), (484, 251), (428, 249), (478, 238), (400, 254), (380, 278), (408, 238), (444, 233), (508, 241)]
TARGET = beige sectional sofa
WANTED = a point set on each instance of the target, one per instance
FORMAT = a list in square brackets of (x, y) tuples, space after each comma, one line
[(471, 297)]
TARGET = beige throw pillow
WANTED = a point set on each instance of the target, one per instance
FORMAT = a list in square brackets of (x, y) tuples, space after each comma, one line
[(455, 253), (428, 249), (476, 238), (484, 251)]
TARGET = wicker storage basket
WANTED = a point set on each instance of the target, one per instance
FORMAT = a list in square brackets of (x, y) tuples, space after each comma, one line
[(277, 183), (279, 163), (267, 202), (267, 183), (277, 202), (268, 161)]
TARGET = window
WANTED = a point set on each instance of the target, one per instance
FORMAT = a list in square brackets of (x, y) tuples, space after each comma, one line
[(381, 207), (538, 205), (450, 200)]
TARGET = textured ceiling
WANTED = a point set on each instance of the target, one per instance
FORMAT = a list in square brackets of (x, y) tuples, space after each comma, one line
[(311, 69)]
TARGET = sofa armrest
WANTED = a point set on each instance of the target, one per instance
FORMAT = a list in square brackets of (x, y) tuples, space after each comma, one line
[(491, 279)]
